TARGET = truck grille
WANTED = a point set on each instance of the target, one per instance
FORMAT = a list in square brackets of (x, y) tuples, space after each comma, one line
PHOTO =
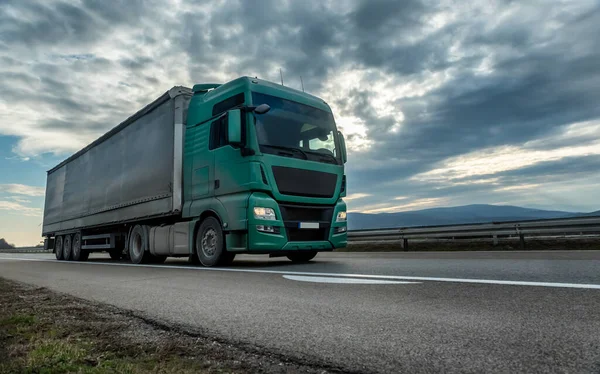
[(302, 182), (304, 213), (292, 214)]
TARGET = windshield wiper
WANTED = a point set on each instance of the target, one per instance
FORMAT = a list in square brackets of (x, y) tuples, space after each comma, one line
[(293, 149), (330, 156)]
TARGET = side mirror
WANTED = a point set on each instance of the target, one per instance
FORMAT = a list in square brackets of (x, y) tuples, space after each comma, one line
[(262, 109), (343, 146), (234, 127)]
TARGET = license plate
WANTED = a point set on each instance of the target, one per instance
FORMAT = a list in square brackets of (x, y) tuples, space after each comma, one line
[(308, 225)]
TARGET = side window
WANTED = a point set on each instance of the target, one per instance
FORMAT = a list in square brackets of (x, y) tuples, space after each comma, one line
[(218, 133), (228, 103)]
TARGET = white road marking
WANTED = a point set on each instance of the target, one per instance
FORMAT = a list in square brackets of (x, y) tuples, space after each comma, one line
[(303, 278), (360, 276)]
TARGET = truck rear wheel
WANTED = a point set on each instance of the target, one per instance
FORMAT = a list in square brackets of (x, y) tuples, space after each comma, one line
[(138, 245), (301, 257), (58, 248), (78, 254), (210, 243), (67, 248)]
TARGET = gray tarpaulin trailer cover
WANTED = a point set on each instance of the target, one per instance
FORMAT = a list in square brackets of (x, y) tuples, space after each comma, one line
[(131, 172)]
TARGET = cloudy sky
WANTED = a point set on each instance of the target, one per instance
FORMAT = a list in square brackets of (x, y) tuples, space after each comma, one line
[(443, 102)]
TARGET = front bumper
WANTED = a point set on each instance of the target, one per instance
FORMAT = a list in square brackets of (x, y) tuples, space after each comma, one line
[(287, 235)]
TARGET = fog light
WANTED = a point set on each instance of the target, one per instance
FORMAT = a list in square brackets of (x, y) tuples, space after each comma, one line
[(339, 230), (269, 229)]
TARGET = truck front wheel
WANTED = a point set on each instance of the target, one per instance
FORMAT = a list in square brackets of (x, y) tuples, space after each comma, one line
[(210, 243), (138, 245)]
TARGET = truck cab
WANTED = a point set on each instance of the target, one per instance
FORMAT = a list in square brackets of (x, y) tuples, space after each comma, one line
[(263, 172)]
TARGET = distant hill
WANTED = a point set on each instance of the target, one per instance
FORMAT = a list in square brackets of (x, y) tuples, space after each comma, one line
[(478, 213), (591, 214), (5, 245)]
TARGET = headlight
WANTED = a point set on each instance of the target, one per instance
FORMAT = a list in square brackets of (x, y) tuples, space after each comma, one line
[(264, 213), (341, 217)]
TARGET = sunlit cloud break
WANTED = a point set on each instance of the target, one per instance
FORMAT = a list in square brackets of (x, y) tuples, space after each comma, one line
[(21, 189)]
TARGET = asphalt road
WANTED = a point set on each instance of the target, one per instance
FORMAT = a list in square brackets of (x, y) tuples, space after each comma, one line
[(502, 312)]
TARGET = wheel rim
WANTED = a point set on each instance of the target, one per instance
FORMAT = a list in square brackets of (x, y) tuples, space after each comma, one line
[(209, 242), (137, 245), (76, 246)]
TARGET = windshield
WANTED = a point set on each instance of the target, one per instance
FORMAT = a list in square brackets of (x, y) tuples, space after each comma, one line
[(296, 130)]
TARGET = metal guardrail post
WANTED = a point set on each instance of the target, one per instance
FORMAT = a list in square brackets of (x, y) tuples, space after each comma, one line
[(522, 241)]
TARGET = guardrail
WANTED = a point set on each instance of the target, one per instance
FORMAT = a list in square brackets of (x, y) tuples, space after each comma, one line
[(24, 250), (494, 230)]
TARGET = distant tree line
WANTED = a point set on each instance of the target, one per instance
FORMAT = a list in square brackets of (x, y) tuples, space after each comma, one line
[(5, 245)]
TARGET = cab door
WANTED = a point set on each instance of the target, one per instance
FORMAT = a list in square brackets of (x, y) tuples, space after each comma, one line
[(198, 167), (231, 171)]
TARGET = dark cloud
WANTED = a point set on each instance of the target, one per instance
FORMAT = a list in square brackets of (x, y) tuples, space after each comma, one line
[(120, 11), (42, 24), (37, 23), (529, 94), (370, 16), (294, 36), (556, 170), (137, 63)]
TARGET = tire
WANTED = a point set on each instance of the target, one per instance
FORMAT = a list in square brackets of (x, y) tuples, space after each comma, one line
[(302, 257), (210, 243), (115, 254), (58, 248), (77, 254), (138, 245), (68, 247)]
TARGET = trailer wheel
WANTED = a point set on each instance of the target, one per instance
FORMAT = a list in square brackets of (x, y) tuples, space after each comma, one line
[(58, 248), (210, 243), (76, 251), (138, 245), (67, 248), (302, 256)]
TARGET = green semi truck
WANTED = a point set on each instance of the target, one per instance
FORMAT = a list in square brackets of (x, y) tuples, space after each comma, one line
[(206, 173)]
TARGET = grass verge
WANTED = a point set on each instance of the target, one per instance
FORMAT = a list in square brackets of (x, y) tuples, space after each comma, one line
[(46, 332)]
